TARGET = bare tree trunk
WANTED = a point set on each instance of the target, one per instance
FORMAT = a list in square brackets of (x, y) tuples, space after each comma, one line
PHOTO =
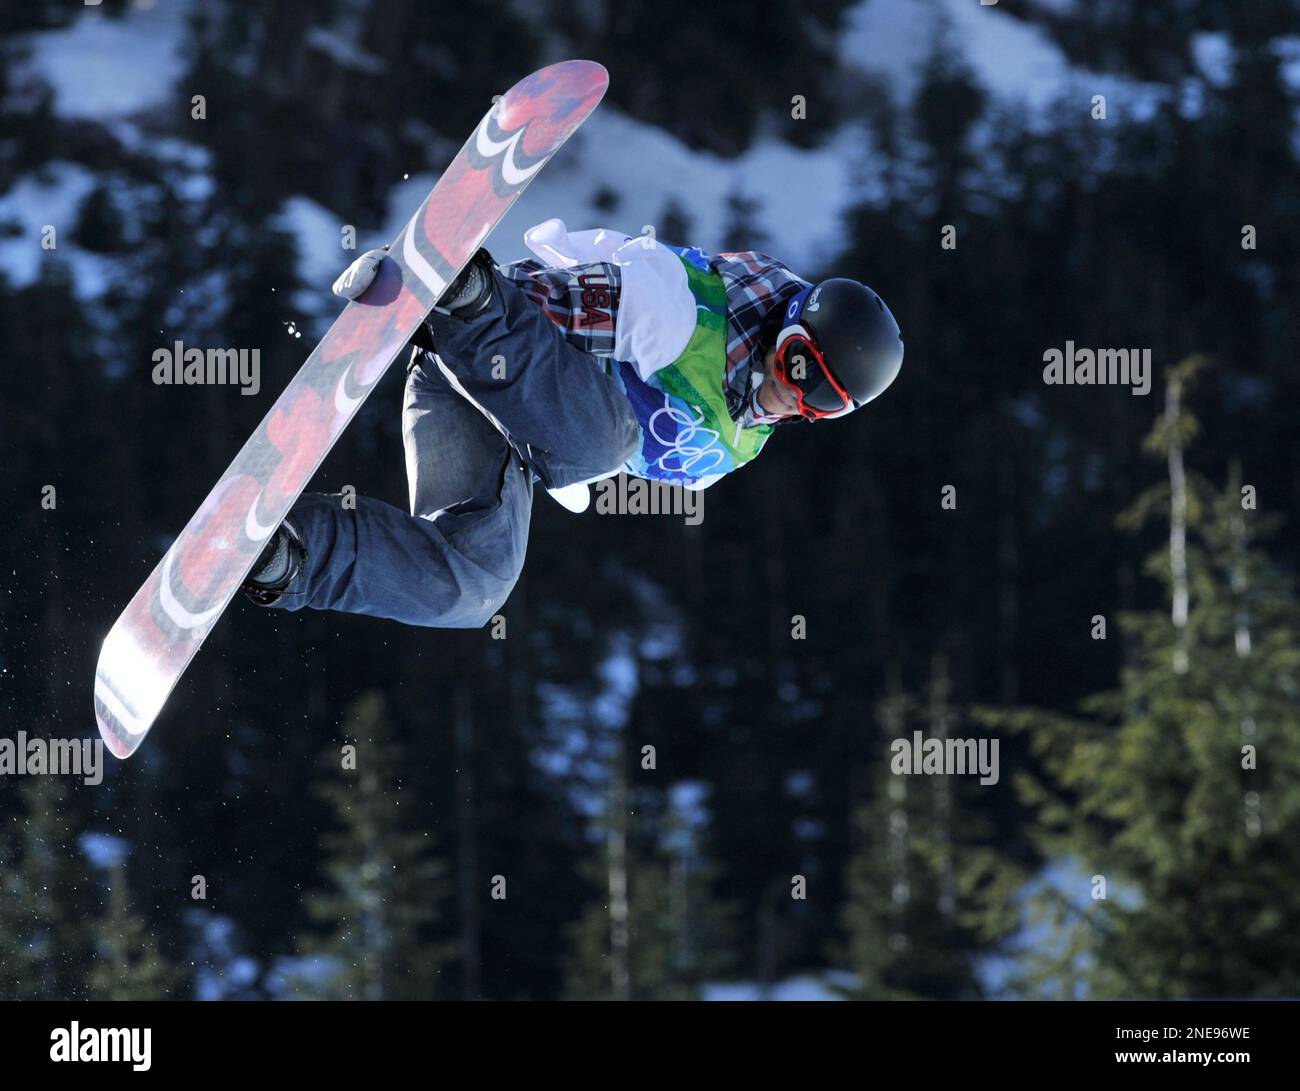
[(769, 937), (471, 961), (1239, 534), (680, 911), (1008, 591), (940, 721), (894, 720), (1177, 519), (620, 975), (875, 516), (373, 924)]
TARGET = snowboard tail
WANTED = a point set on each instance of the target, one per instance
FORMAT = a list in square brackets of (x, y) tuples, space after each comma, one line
[(165, 624)]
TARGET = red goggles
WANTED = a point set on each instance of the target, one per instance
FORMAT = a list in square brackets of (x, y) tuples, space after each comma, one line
[(801, 367)]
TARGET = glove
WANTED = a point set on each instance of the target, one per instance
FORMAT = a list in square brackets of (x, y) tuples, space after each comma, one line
[(358, 276)]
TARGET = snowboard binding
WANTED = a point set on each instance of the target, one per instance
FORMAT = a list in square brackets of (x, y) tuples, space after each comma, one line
[(281, 562), (470, 293)]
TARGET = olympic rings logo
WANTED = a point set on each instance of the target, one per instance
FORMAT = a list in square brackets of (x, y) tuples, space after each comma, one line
[(695, 460)]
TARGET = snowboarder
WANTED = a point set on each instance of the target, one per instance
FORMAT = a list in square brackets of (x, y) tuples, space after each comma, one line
[(611, 353)]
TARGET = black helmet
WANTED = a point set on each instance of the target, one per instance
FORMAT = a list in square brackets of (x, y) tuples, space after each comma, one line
[(839, 346)]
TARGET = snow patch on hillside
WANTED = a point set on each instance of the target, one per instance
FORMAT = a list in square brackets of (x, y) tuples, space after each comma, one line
[(1213, 53), (806, 987), (321, 258), (101, 67), (1013, 60), (34, 202), (343, 51), (800, 194)]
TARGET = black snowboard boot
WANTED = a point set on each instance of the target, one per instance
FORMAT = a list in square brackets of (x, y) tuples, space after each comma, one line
[(279, 565), (470, 293)]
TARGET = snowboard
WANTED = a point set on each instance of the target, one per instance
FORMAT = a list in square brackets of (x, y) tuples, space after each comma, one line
[(165, 624)]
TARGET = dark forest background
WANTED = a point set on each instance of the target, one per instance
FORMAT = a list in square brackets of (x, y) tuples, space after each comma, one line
[(522, 757)]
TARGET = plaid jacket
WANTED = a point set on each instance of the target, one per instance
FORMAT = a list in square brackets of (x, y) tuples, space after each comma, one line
[(756, 285)]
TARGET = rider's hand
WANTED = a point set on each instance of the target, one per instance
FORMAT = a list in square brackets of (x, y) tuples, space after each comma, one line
[(357, 277)]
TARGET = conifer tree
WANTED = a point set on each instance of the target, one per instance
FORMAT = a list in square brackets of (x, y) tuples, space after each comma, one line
[(925, 894), (128, 963), (45, 947), (385, 886), (1174, 795), (655, 931)]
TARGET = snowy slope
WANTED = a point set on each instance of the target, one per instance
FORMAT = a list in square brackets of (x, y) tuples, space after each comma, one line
[(111, 69), (800, 223)]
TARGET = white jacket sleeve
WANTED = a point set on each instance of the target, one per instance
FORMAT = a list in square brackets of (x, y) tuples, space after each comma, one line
[(556, 245)]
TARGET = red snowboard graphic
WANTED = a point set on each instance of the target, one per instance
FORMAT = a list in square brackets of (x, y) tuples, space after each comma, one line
[(157, 635)]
